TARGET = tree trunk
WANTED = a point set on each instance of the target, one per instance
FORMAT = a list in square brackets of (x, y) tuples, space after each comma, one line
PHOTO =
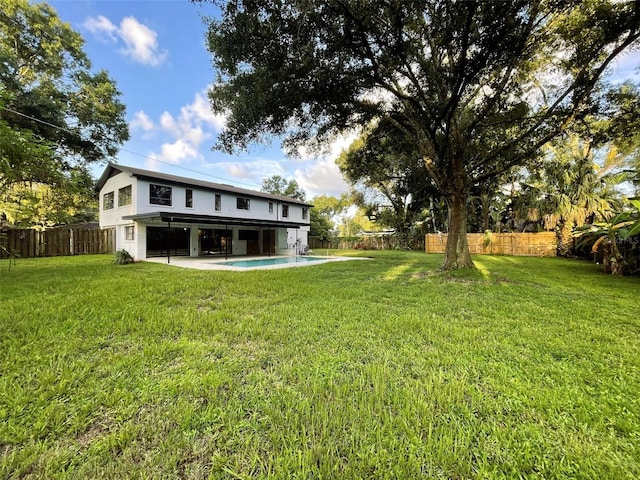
[(617, 262), (564, 238), (457, 254), (485, 200)]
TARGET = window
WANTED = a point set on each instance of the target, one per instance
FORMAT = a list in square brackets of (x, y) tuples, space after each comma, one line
[(128, 232), (305, 213), (218, 202), (188, 199), (107, 201), (124, 196), (242, 203), (270, 207), (159, 195), (285, 211)]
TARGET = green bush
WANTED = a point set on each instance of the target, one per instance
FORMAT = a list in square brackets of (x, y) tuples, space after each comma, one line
[(123, 257)]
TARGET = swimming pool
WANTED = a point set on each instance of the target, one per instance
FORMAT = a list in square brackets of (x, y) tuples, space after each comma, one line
[(256, 263), (263, 262)]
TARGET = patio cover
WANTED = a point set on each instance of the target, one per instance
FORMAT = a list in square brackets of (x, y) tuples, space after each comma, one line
[(212, 220)]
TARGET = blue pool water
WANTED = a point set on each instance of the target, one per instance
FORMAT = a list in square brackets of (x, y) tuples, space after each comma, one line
[(262, 262)]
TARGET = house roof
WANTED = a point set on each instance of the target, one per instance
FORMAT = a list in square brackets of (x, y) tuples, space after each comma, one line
[(114, 168)]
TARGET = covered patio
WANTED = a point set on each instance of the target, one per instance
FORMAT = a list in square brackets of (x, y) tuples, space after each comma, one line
[(167, 235)]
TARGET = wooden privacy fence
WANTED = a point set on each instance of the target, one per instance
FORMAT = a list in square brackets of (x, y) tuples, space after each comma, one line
[(358, 242), (368, 242), (541, 244), (56, 242)]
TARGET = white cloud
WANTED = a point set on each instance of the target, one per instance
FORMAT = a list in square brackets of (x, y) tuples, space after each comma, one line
[(342, 143), (141, 121), (254, 170), (176, 152), (322, 177), (193, 120), (315, 151), (238, 170), (187, 131), (140, 42), (200, 109), (101, 25), (151, 163), (195, 135), (167, 122), (185, 128)]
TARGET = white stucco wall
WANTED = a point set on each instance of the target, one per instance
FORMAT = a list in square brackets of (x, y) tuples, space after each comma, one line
[(204, 204), (112, 218)]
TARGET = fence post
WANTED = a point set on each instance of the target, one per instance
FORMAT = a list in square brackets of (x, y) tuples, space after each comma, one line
[(40, 244)]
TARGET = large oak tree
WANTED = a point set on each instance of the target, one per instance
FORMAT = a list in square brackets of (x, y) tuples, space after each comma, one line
[(479, 86), (57, 116)]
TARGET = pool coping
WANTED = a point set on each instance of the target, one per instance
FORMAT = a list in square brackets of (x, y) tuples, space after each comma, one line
[(206, 263)]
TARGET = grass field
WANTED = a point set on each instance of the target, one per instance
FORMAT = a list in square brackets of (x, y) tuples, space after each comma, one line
[(527, 368)]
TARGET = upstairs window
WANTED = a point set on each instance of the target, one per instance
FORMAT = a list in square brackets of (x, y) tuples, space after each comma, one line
[(270, 207), (159, 195), (218, 205), (107, 201), (305, 213), (285, 211), (124, 196), (242, 203), (188, 199)]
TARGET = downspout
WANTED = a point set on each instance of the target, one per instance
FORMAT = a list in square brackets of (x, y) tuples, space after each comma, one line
[(226, 245), (169, 241)]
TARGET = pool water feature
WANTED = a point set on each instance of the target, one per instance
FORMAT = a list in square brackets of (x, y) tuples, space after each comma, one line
[(264, 262)]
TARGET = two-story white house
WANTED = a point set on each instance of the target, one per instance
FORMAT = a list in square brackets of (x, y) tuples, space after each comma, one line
[(155, 214)]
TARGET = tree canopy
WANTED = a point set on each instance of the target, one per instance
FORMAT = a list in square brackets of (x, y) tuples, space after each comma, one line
[(325, 214), (477, 86), (319, 225), (621, 127), (331, 206), (279, 185), (569, 189), (56, 115), (388, 178), (38, 205)]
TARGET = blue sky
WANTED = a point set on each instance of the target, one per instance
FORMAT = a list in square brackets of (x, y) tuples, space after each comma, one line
[(155, 51)]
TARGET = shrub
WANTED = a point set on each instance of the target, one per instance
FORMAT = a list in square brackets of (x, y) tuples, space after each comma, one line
[(123, 257), (615, 240)]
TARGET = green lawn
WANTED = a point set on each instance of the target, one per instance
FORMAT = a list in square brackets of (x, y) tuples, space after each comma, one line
[(528, 368)]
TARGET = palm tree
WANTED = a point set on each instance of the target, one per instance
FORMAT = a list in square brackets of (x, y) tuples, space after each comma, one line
[(571, 189)]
